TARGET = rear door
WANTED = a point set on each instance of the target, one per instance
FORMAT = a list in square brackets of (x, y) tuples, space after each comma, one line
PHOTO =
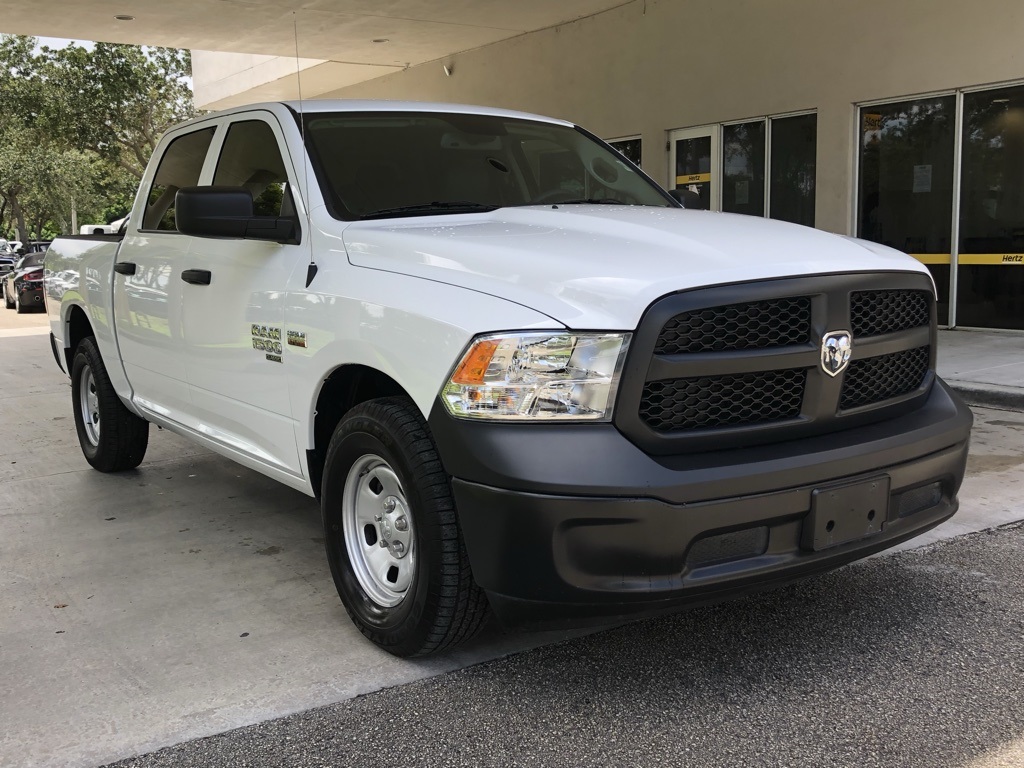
[(148, 286)]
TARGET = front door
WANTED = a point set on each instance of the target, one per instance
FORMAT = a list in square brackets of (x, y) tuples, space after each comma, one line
[(233, 306), (693, 154)]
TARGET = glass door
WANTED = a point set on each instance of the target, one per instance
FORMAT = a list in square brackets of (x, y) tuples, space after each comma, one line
[(693, 154), (905, 195), (990, 285)]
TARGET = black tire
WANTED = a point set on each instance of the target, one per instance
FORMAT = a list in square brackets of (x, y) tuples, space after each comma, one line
[(112, 437), (18, 306), (442, 605), (7, 300)]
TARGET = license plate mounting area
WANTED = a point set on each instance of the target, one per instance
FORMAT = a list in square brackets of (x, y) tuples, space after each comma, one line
[(844, 513)]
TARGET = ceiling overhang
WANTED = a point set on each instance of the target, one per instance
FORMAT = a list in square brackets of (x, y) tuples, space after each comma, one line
[(338, 41)]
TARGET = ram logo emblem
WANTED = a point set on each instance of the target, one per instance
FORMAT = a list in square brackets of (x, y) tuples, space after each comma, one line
[(836, 348)]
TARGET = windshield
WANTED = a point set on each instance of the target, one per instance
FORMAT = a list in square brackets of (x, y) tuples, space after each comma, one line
[(32, 260), (406, 164)]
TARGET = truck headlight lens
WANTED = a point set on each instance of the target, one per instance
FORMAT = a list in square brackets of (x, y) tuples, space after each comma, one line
[(546, 375)]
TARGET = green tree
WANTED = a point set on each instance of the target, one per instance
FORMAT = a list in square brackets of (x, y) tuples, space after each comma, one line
[(80, 124), (117, 100)]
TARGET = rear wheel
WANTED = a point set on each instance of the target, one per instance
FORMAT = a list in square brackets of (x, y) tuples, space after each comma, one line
[(7, 299), (393, 536), (112, 437), (21, 308)]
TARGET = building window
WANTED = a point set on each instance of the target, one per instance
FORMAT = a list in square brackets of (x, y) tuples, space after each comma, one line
[(905, 198), (908, 198), (629, 148), (793, 168), (767, 167), (743, 161), (990, 287)]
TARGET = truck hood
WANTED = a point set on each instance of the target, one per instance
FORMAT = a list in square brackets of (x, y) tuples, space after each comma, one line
[(601, 266)]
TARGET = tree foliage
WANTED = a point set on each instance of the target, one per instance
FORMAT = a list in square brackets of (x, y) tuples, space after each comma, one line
[(80, 124), (117, 100)]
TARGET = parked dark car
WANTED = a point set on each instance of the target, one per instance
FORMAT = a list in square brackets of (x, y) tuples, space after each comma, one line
[(23, 287), (7, 261)]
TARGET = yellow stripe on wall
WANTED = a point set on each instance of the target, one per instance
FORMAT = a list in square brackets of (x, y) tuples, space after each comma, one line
[(997, 259), (973, 259), (932, 258)]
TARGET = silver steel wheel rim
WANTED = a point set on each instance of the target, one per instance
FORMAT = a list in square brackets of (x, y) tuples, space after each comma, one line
[(89, 406), (378, 531)]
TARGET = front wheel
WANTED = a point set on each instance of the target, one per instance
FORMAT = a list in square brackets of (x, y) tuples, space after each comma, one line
[(112, 437), (7, 300), (393, 538)]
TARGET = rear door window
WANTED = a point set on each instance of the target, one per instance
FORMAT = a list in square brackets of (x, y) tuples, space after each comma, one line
[(180, 166)]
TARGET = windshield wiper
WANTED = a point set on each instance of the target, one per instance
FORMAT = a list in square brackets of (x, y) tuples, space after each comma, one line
[(591, 201), (462, 206)]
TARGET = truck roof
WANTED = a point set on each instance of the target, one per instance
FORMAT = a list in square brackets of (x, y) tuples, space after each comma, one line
[(372, 105)]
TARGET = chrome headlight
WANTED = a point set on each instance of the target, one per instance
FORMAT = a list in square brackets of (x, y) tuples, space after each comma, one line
[(538, 375)]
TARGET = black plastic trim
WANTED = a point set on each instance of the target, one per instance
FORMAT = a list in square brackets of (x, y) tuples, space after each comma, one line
[(574, 560), (525, 613), (596, 460), (56, 354)]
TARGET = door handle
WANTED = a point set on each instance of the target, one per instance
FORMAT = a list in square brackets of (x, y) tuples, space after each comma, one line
[(196, 276), (125, 267)]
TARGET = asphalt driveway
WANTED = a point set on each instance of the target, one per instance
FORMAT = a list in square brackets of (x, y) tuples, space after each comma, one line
[(911, 660)]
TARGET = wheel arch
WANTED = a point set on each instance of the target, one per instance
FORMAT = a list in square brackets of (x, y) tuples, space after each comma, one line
[(77, 327), (343, 388)]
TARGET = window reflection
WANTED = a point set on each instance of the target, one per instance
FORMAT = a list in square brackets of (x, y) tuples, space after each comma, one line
[(693, 168), (906, 181), (794, 167), (743, 164), (631, 149), (991, 283)]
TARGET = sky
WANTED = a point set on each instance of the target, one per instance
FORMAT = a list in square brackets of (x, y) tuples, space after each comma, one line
[(60, 42)]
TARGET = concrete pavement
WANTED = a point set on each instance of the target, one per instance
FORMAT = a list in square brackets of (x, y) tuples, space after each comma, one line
[(192, 596), (986, 367)]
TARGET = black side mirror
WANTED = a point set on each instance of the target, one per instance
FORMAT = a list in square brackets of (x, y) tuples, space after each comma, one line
[(227, 212), (687, 197)]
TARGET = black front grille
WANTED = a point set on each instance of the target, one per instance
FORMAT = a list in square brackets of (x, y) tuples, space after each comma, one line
[(876, 312), (707, 402), (875, 379), (738, 365), (753, 325)]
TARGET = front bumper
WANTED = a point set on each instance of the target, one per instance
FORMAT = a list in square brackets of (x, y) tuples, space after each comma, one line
[(574, 525)]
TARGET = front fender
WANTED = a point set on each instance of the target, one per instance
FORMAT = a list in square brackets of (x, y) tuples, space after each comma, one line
[(412, 330)]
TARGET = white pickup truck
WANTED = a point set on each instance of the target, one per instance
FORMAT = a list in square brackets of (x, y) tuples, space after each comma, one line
[(517, 374)]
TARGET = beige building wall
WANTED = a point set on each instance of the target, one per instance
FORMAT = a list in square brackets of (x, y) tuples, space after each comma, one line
[(654, 65), (223, 80)]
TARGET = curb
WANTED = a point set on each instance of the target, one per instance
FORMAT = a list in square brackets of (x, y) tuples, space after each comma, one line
[(989, 395)]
